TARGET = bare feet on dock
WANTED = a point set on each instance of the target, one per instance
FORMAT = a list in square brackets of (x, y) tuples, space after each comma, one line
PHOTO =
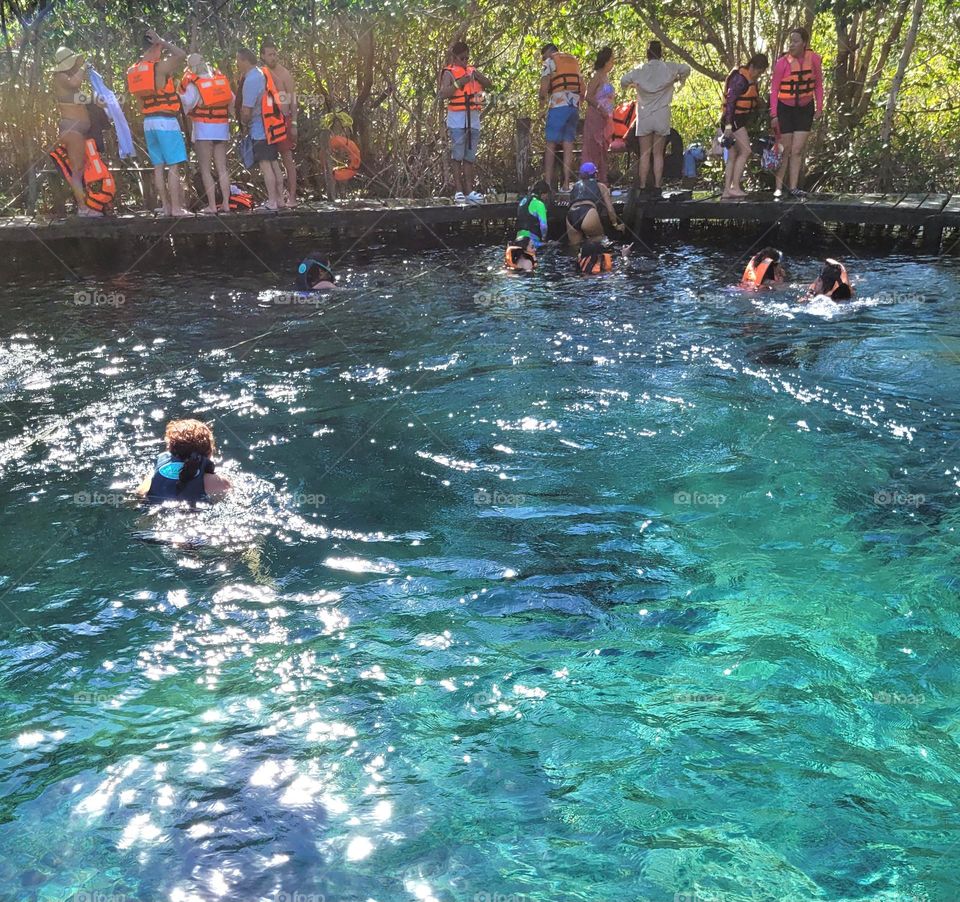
[(180, 212), (733, 194)]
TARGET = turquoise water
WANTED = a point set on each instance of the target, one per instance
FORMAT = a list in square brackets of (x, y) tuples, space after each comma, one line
[(531, 590)]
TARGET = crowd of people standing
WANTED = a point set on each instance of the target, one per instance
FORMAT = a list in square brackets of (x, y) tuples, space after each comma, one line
[(166, 82), (796, 99)]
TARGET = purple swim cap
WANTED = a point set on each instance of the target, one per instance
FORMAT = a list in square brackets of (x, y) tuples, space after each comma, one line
[(588, 169)]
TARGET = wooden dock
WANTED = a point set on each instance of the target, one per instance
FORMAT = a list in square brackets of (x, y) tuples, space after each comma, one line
[(20, 235)]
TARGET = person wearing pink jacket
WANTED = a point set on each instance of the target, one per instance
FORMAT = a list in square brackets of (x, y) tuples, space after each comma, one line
[(796, 99)]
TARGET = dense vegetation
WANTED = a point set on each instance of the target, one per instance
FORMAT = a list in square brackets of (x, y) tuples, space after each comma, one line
[(893, 106)]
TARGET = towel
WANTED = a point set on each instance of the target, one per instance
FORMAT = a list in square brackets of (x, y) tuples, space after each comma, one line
[(124, 138)]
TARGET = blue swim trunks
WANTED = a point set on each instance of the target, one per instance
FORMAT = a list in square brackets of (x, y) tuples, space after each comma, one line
[(562, 124), (165, 143)]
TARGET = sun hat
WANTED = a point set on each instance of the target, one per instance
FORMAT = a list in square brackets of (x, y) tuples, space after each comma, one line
[(64, 59)]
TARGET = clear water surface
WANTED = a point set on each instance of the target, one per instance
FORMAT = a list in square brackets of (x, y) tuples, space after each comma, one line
[(530, 591)]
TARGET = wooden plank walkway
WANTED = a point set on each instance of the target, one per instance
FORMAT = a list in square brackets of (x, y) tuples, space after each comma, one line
[(932, 211)]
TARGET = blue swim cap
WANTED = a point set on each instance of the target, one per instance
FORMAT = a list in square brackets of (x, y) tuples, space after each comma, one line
[(588, 169)]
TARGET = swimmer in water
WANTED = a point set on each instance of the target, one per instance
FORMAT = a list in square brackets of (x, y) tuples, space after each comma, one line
[(594, 258), (765, 270), (521, 255), (315, 275), (185, 471), (833, 282)]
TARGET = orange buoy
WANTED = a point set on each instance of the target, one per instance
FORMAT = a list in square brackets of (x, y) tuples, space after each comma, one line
[(339, 145)]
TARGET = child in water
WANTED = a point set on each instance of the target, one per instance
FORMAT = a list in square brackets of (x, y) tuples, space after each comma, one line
[(185, 471), (765, 270), (314, 275), (833, 282), (594, 258)]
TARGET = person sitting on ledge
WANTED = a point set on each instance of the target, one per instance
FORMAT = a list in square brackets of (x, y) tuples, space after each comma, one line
[(764, 270), (833, 282), (315, 275), (185, 471)]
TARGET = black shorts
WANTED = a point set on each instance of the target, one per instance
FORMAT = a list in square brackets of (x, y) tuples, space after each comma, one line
[(576, 215), (794, 118), (265, 153)]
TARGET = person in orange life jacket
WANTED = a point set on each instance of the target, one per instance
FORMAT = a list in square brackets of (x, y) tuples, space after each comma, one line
[(833, 282), (796, 99), (68, 77), (315, 275), (764, 270), (151, 81), (594, 258), (207, 100), (185, 471), (257, 98), (288, 106), (461, 86), (561, 91), (521, 255), (583, 216), (741, 102)]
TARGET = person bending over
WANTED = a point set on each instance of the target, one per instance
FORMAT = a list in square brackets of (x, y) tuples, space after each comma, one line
[(583, 217)]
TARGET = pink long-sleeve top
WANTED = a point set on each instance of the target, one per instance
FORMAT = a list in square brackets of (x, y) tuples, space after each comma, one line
[(781, 70)]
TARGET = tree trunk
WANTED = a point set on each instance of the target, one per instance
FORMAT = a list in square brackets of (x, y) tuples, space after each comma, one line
[(886, 132)]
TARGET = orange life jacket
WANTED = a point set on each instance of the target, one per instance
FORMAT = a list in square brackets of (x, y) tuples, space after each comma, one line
[(624, 119), (749, 101), (99, 185), (566, 77), (215, 94), (594, 264), (142, 83), (242, 201), (513, 252), (470, 96), (800, 85), (753, 275), (274, 122)]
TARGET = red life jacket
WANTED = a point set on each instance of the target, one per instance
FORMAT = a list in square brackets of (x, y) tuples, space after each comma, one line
[(142, 83), (470, 96), (624, 119), (99, 185), (800, 85), (274, 122), (215, 94), (749, 101)]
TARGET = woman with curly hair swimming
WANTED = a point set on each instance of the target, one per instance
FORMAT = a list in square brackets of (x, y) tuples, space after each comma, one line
[(185, 471)]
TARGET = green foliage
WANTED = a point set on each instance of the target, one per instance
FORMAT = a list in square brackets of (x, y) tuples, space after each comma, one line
[(371, 68)]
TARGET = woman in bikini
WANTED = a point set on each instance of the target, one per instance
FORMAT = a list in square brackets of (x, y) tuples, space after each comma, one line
[(68, 77)]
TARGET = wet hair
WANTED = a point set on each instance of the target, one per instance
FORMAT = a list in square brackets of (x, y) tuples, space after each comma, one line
[(654, 50), (540, 188), (590, 255), (459, 49), (191, 442), (548, 48), (759, 61), (603, 57), (768, 253), (247, 55), (804, 34)]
